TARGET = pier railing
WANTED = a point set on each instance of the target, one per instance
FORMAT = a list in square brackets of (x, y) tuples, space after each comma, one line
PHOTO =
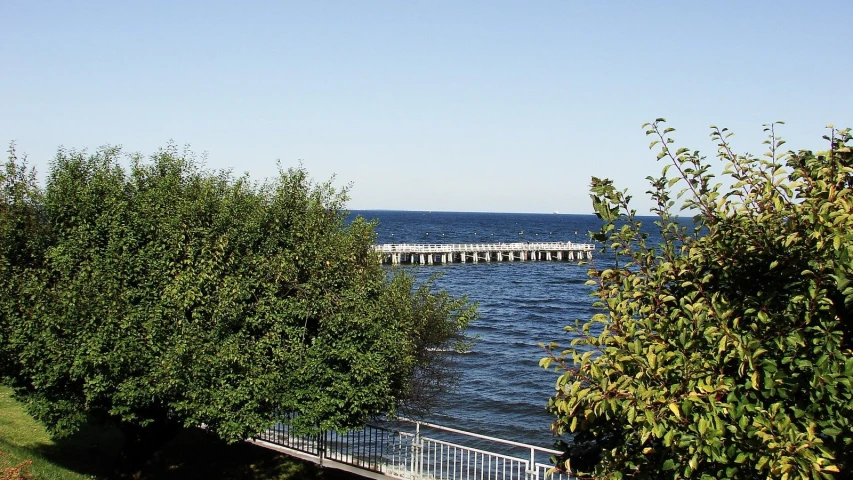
[(482, 247), (412, 450), (433, 253)]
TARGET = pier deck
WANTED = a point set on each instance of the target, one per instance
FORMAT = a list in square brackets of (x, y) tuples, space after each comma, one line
[(443, 253)]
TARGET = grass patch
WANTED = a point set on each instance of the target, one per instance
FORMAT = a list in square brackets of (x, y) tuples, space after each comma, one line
[(23, 439), (92, 453)]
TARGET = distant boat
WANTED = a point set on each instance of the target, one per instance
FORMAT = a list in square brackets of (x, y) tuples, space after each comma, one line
[(556, 212)]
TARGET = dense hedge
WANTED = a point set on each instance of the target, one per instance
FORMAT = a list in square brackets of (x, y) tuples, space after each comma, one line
[(162, 294), (725, 351)]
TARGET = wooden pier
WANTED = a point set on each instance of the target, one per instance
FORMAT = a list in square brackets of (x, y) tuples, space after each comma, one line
[(430, 254)]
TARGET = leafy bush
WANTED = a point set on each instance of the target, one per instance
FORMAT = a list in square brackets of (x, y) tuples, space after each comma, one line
[(724, 351), (164, 295)]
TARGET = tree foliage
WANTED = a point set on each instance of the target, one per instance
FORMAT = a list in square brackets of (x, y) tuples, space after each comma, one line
[(725, 350), (162, 295)]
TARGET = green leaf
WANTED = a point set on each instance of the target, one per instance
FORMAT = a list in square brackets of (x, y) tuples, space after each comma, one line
[(675, 409)]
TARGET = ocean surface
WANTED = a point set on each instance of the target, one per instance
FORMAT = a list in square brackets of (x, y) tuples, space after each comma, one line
[(502, 391)]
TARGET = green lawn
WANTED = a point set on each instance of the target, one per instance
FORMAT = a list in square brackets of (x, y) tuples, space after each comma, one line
[(92, 454)]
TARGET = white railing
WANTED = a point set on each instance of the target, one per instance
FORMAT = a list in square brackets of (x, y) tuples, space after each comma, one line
[(482, 247), (411, 450)]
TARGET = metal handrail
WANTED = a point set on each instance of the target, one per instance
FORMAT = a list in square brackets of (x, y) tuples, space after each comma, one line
[(381, 452), (480, 436)]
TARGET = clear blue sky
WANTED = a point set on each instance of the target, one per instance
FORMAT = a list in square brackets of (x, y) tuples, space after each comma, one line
[(424, 105)]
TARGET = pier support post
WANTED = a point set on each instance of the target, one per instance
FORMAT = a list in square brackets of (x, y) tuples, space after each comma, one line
[(490, 252)]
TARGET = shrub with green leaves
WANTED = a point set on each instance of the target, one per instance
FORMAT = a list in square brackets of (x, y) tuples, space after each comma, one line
[(725, 350), (162, 295)]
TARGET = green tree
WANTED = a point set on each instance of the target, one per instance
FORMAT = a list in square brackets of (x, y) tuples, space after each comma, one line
[(21, 234), (163, 295), (725, 350)]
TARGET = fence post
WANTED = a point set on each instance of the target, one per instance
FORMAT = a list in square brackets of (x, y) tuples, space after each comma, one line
[(533, 471), (415, 464)]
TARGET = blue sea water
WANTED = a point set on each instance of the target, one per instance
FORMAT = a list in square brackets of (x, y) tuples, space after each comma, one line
[(502, 391)]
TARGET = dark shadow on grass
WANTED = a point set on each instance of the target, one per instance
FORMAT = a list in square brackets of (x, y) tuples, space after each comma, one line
[(193, 454), (92, 450)]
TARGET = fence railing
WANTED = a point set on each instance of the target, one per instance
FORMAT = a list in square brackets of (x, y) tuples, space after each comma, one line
[(412, 450)]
